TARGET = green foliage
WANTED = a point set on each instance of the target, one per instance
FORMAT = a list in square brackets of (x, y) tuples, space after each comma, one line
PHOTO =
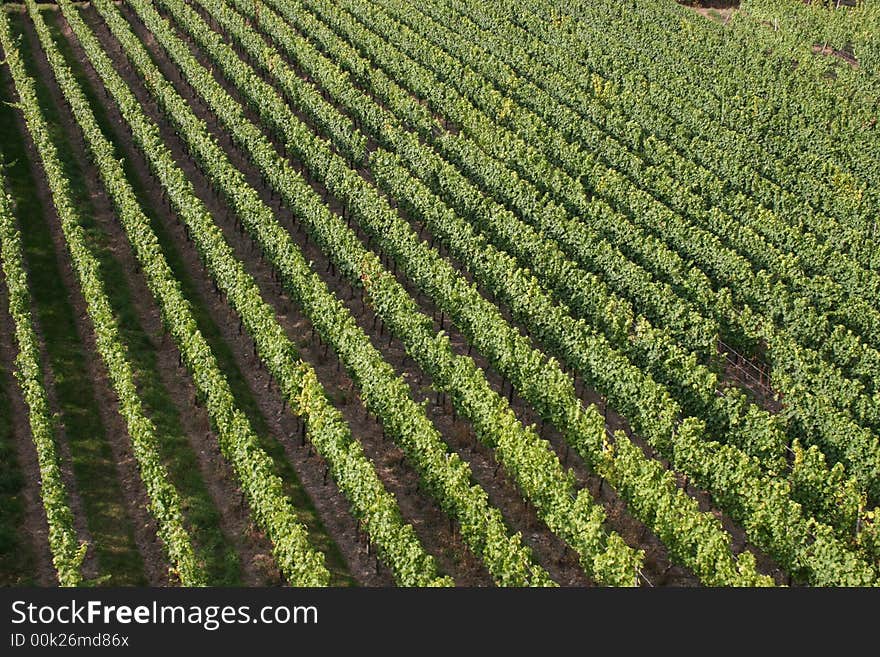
[(371, 503), (598, 196), (384, 127), (67, 552), (381, 288), (165, 502)]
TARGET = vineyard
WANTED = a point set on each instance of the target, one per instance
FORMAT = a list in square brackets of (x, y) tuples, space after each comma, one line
[(447, 293)]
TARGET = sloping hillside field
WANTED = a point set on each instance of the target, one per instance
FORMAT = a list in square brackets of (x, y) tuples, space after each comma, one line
[(439, 293)]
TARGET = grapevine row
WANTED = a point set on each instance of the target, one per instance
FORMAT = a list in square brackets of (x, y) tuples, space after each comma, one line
[(688, 532), (728, 413), (551, 96), (584, 292), (755, 95), (372, 504), (726, 153), (67, 553), (443, 474), (563, 175), (861, 454), (421, 264), (263, 489), (385, 230), (164, 499), (529, 459), (343, 56)]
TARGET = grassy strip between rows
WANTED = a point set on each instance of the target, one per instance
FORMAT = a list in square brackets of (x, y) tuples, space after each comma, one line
[(67, 553), (221, 561), (119, 562), (163, 500)]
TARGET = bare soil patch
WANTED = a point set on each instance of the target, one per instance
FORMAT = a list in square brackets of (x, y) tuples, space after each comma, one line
[(717, 10), (829, 51)]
